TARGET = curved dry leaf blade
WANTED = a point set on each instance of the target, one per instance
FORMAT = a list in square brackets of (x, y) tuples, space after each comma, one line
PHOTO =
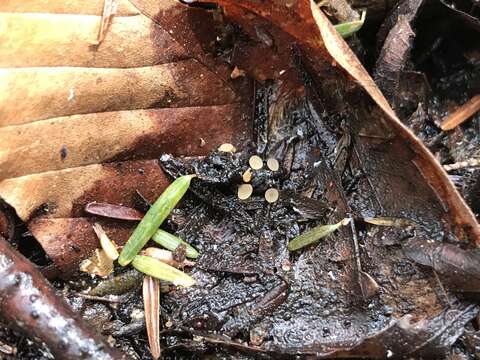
[(151, 303), (108, 246), (113, 211)]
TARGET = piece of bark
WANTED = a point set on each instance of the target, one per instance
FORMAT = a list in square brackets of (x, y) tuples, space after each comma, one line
[(79, 140), (40, 93), (394, 57), (29, 304), (408, 9)]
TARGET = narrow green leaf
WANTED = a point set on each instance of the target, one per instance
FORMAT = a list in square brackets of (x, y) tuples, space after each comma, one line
[(162, 271), (315, 234), (170, 242), (154, 217), (347, 29)]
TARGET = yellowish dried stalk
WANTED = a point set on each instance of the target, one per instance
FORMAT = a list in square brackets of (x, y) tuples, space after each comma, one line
[(108, 246)]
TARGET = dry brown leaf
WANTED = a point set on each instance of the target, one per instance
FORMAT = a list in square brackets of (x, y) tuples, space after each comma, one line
[(52, 92), (67, 107), (124, 7), (65, 142), (68, 241)]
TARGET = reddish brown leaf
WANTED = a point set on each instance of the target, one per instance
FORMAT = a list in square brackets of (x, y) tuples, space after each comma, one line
[(113, 211)]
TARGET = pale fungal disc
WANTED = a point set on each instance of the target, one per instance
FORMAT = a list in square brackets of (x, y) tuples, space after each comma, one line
[(271, 195), (247, 175), (273, 164), (245, 191), (227, 148), (256, 162)]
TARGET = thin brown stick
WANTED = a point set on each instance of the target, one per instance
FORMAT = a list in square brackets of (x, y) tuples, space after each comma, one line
[(29, 304), (462, 114)]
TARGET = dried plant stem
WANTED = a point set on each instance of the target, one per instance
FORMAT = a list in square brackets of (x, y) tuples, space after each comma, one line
[(151, 302)]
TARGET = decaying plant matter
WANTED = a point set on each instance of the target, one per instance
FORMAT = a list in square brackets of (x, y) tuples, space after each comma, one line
[(285, 131)]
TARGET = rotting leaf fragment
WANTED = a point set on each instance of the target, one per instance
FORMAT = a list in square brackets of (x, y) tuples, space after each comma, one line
[(113, 211), (99, 264)]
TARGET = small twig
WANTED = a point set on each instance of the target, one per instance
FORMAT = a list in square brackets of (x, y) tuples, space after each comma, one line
[(462, 114), (462, 164), (31, 305), (362, 168), (442, 288), (108, 298)]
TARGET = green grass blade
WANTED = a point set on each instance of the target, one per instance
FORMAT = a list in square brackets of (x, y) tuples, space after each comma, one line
[(170, 242), (347, 29), (154, 217)]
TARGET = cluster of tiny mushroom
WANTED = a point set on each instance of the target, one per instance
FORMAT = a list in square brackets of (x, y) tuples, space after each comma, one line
[(245, 190)]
